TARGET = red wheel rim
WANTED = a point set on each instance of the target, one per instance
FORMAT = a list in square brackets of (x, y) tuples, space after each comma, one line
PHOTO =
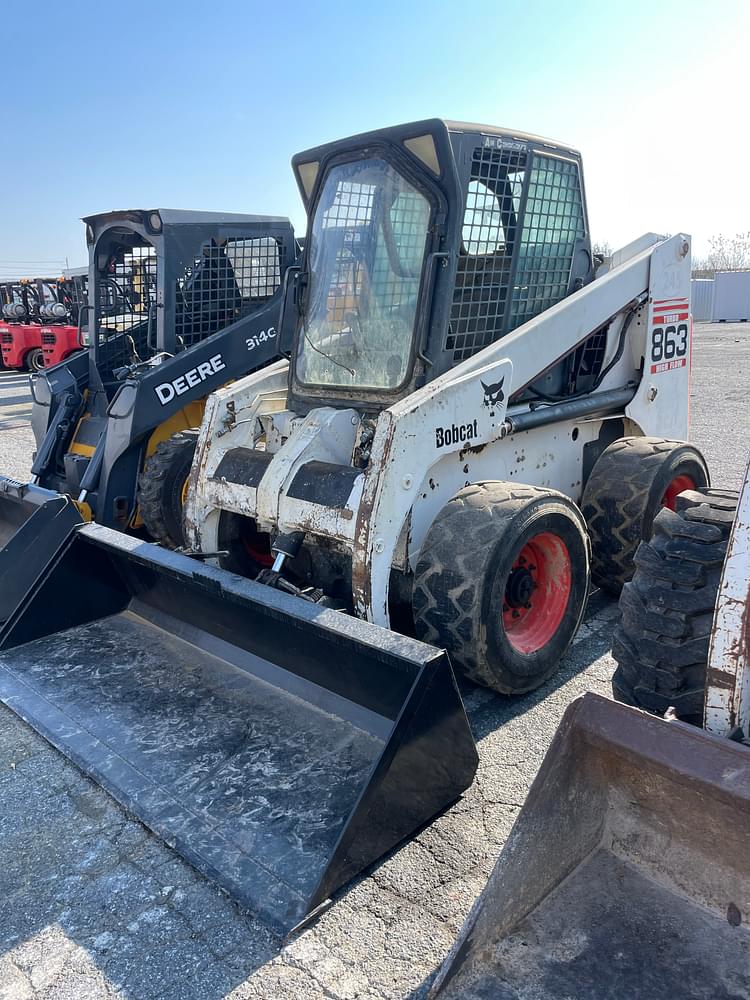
[(678, 485), (537, 592), (258, 547)]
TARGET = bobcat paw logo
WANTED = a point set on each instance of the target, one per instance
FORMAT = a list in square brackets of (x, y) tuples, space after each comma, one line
[(493, 394)]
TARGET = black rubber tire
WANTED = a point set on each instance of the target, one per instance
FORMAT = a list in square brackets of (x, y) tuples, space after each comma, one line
[(624, 494), (462, 572), (34, 360), (160, 487), (661, 644)]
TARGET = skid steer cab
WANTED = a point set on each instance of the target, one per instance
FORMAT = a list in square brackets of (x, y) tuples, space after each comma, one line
[(471, 420)]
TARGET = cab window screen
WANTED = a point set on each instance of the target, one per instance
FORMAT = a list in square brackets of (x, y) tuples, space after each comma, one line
[(483, 222), (493, 201), (367, 252), (553, 223)]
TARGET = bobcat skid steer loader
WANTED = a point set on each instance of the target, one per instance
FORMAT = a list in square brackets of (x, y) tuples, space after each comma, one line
[(178, 303), (647, 891), (468, 418)]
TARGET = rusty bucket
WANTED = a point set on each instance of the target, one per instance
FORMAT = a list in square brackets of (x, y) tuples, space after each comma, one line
[(626, 875)]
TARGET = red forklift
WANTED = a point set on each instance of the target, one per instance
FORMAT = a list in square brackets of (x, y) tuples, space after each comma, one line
[(62, 331), (20, 330)]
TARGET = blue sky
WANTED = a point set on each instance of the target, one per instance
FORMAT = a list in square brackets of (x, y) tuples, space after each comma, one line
[(201, 105)]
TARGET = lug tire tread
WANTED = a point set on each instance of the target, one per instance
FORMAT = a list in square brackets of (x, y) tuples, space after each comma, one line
[(615, 506), (662, 641), (154, 486), (452, 565)]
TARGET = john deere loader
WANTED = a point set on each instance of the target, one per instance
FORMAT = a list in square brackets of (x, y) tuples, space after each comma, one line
[(178, 304), (471, 424), (646, 892)]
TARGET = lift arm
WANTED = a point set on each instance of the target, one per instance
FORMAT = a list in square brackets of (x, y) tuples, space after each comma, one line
[(418, 431)]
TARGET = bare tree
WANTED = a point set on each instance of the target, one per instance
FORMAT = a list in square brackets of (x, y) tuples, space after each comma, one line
[(726, 253)]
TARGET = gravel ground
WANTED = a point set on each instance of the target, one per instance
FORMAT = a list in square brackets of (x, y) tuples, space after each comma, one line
[(16, 439), (92, 905), (720, 409)]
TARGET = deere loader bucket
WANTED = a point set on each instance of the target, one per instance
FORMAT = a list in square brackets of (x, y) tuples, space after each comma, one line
[(279, 746), (34, 523), (626, 875)]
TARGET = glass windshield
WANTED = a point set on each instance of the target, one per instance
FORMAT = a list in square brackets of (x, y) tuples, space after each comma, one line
[(366, 253)]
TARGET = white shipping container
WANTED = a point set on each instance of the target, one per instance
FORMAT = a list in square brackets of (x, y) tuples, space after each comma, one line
[(702, 299), (731, 296)]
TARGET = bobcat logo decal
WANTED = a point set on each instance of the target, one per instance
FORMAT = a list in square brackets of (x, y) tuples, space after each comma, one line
[(493, 394)]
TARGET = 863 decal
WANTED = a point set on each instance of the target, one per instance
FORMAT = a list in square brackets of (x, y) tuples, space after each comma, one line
[(670, 335)]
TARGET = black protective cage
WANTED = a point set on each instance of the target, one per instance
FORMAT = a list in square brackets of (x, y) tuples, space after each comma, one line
[(509, 239), (72, 291), (161, 281)]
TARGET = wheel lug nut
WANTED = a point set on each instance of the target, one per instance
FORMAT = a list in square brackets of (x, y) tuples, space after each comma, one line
[(516, 614)]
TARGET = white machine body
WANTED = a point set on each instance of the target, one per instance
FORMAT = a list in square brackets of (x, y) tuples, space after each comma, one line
[(405, 462)]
